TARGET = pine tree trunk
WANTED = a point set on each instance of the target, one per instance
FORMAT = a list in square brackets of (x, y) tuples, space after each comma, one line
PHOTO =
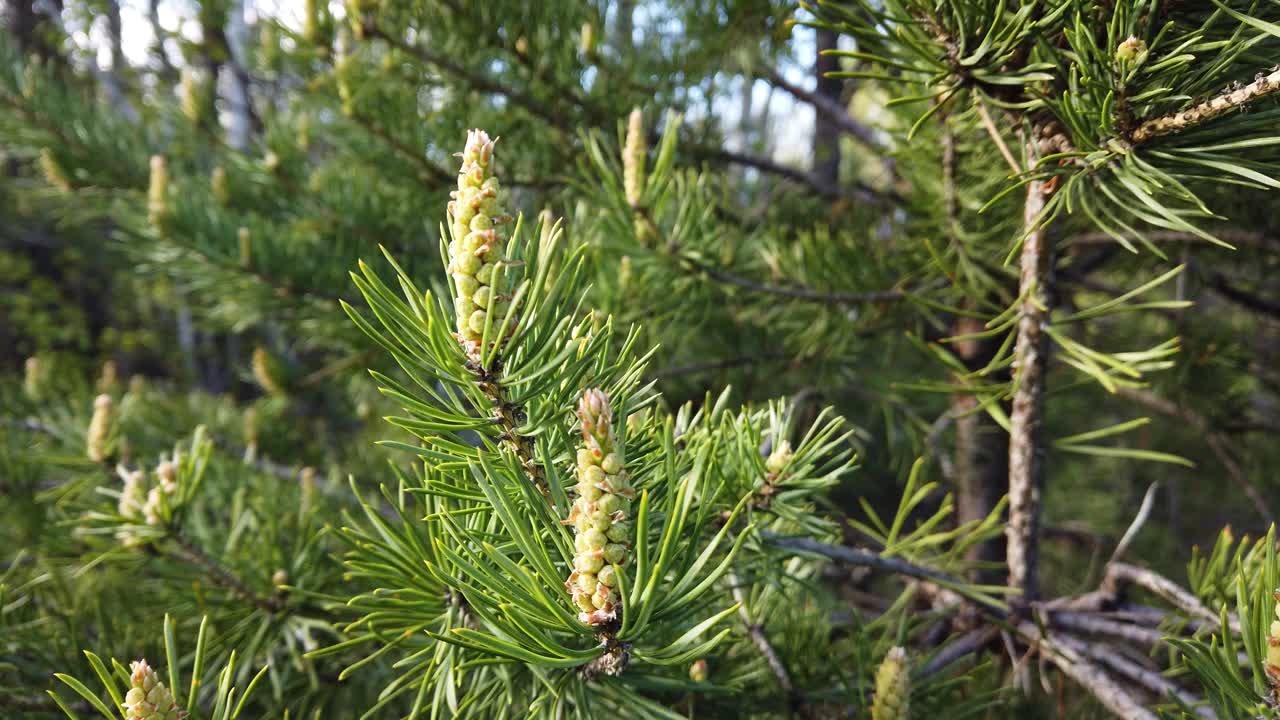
[(1026, 470), (826, 134)]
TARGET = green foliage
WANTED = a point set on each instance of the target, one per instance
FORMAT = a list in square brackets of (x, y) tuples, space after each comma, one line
[(760, 331)]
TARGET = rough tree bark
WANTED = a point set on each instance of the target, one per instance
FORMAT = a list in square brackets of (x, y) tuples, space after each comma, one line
[(1031, 352), (826, 134)]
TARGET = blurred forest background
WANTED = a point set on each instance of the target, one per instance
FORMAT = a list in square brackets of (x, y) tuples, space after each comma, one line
[(804, 248)]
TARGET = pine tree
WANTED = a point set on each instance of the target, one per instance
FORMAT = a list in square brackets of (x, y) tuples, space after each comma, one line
[(417, 432)]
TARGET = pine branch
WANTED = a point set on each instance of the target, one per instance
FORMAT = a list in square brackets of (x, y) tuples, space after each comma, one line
[(1092, 623), (866, 558), (1228, 101), (833, 111), (1119, 573), (1223, 287), (1071, 660), (219, 575), (430, 171), (1031, 355), (758, 638), (480, 81), (510, 417), (1218, 444), (736, 362), (860, 192), (1153, 681), (971, 642), (798, 292)]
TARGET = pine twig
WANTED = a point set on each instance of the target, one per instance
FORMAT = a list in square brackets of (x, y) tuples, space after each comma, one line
[(1262, 86), (758, 638)]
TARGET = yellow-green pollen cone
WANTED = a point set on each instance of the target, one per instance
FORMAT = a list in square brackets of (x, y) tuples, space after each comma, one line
[(893, 687), (600, 514), (148, 698), (477, 220)]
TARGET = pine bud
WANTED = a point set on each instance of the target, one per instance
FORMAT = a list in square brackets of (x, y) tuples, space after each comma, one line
[(698, 670), (893, 687), (246, 249), (148, 698), (599, 514), (133, 496), (132, 504), (304, 132), (268, 372), (158, 192), (269, 44), (32, 377), (109, 380), (53, 172), (633, 159), (271, 161), (100, 425), (250, 429), (587, 39), (779, 458), (194, 97), (311, 22), (308, 480), (477, 222), (342, 70), (1131, 49), (280, 577), (218, 185)]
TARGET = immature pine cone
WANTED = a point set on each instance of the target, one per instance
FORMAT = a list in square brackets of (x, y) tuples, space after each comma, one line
[(475, 252), (893, 687), (633, 159), (158, 192), (600, 514), (53, 172), (148, 698), (219, 187), (100, 428)]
